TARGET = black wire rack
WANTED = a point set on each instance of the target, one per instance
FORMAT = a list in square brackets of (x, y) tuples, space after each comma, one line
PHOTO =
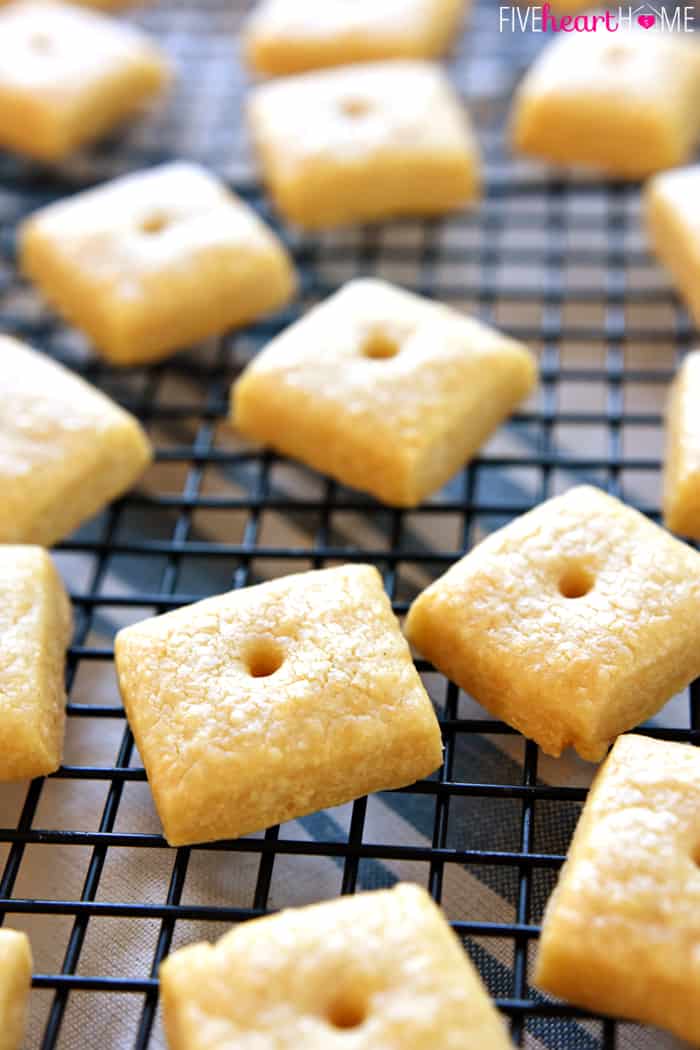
[(558, 263)]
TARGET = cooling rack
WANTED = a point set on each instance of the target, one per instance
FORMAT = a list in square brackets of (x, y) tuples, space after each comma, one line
[(560, 264)]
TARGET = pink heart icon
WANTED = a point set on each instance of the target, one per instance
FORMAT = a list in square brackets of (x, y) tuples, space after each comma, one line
[(646, 21)]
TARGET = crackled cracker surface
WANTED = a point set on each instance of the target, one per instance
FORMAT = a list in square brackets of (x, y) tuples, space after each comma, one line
[(672, 216), (577, 621), (622, 928), (35, 628), (155, 261), (383, 390), (267, 703), (15, 983), (68, 75), (364, 143), (681, 487), (377, 970), (65, 448), (285, 36), (625, 103)]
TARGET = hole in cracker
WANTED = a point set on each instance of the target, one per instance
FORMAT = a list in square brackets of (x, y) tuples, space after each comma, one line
[(355, 107), (40, 42), (263, 659), (154, 223), (575, 582), (380, 346), (616, 52), (347, 1013)]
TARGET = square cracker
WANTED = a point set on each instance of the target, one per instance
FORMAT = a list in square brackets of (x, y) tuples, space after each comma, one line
[(625, 103), (681, 489), (285, 36), (383, 390), (69, 75), (622, 928), (65, 449), (671, 209), (574, 623), (152, 262), (258, 706), (15, 985), (35, 628), (364, 143), (375, 971)]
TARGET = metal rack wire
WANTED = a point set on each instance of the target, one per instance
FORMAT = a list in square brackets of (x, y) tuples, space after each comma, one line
[(560, 264)]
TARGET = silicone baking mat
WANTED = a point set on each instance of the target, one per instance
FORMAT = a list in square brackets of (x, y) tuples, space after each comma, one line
[(559, 263)]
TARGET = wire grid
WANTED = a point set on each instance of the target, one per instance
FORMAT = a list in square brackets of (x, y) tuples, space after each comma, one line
[(561, 265)]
